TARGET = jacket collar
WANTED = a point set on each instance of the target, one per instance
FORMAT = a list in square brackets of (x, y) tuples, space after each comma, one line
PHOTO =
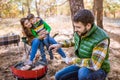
[(94, 27)]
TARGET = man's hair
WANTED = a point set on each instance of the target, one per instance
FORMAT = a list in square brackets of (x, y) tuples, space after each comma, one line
[(30, 16), (85, 16)]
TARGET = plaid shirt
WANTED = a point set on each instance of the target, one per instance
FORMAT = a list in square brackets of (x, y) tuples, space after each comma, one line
[(12, 39), (97, 58)]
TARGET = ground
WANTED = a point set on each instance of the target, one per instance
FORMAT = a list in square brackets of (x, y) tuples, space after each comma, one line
[(11, 54)]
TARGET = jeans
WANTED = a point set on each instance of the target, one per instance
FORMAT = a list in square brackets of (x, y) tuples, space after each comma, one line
[(37, 43), (48, 41), (74, 72)]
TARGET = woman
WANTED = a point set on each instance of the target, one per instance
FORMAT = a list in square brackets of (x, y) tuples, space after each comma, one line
[(37, 42), (34, 42)]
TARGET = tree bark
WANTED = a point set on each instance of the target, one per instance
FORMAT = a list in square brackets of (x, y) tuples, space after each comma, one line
[(23, 10), (114, 15), (98, 11), (28, 6), (94, 8), (0, 15), (75, 5), (0, 8), (37, 9)]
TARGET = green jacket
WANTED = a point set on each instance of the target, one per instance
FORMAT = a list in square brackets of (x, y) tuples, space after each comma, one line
[(45, 26), (84, 45)]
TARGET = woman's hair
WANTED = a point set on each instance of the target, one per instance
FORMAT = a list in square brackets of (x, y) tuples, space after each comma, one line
[(26, 30), (85, 16)]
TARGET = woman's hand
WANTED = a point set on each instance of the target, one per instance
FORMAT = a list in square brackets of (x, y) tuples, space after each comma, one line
[(42, 34)]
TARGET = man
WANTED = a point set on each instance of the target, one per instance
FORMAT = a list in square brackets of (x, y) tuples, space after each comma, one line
[(91, 48)]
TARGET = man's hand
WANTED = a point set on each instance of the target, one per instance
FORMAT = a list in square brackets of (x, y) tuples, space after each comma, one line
[(70, 62), (55, 47)]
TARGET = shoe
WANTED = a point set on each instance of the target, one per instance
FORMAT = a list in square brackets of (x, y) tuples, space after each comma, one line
[(44, 62), (66, 60), (26, 67), (51, 54), (28, 62), (51, 58)]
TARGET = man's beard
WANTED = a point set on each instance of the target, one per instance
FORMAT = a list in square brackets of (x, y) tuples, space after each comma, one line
[(84, 32)]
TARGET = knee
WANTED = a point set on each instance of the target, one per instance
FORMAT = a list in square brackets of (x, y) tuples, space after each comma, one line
[(99, 74), (36, 40), (57, 76), (82, 77), (83, 73)]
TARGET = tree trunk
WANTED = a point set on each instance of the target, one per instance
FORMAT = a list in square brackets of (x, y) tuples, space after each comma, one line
[(0, 15), (37, 9), (114, 15), (28, 6), (75, 5), (94, 8), (0, 11), (105, 13), (22, 10), (98, 6)]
